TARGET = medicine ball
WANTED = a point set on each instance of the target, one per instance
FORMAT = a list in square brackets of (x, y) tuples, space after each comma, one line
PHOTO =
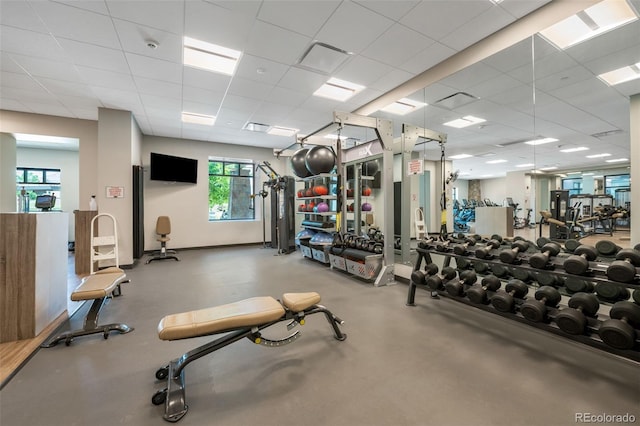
[(298, 163), (322, 207), (370, 168), (320, 159), (366, 191), (366, 207), (320, 190)]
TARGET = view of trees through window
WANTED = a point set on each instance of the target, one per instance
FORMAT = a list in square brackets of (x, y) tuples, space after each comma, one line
[(231, 185), (31, 182)]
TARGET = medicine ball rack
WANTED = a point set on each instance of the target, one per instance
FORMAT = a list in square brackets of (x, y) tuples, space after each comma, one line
[(590, 337)]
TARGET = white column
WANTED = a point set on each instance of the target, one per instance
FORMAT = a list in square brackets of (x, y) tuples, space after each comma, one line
[(8, 201)]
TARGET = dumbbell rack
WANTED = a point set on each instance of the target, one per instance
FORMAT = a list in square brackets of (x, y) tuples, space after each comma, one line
[(591, 338)]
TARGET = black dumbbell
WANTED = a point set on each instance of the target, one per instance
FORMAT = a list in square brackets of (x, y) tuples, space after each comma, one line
[(571, 245), (461, 249), (434, 282), (478, 294), (578, 263), (535, 310), (522, 275), (637, 247), (504, 301), (576, 285), (612, 292), (623, 269), (607, 248), (443, 245), (573, 320), (499, 271), (496, 237), (540, 260), (545, 278), (540, 242), (636, 296), (619, 331), (423, 244), (463, 264), (480, 267), (484, 252), (420, 277), (510, 255), (456, 287)]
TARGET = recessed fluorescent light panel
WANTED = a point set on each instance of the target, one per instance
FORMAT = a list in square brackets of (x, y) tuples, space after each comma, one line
[(617, 160), (574, 173), (525, 165), (588, 174), (192, 117), (579, 148), (548, 168), (403, 106), (621, 75), (541, 141), (595, 20), (210, 57), (460, 156), (338, 90), (466, 121), (598, 155), (496, 1), (282, 131), (496, 161)]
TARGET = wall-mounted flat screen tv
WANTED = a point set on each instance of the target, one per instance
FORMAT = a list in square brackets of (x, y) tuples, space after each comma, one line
[(169, 168)]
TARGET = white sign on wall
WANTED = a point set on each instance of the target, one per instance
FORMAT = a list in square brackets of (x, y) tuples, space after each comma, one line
[(115, 192), (415, 167)]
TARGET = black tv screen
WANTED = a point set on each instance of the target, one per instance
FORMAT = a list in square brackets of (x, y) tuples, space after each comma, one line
[(173, 169)]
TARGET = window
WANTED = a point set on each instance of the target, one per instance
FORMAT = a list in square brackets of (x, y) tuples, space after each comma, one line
[(231, 188), (574, 185), (615, 182), (31, 182)]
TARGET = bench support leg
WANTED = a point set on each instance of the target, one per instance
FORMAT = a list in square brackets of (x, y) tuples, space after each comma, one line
[(90, 326), (175, 405)]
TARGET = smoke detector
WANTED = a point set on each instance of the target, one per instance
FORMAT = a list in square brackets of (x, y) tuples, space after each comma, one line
[(152, 44)]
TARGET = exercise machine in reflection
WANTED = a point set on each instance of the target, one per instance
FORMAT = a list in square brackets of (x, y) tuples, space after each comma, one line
[(282, 190)]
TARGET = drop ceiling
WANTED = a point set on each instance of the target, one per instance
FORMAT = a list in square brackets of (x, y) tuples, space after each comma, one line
[(69, 58)]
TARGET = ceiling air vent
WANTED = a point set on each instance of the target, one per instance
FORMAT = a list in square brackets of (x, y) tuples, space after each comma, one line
[(607, 133), (256, 127), (323, 58), (456, 100)]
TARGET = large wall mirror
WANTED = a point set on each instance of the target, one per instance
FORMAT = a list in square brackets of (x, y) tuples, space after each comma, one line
[(532, 91)]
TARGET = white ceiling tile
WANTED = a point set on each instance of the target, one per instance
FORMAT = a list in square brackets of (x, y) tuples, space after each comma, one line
[(165, 116), (284, 96), (197, 134), (229, 117), (8, 64), (20, 14), (618, 59), (46, 68), (69, 88), (95, 56), (200, 108), (562, 79), (271, 113), (196, 94), (622, 38), (363, 70), (353, 27), (19, 81), (79, 102), (102, 78), (217, 25), (270, 72), (45, 108), (303, 81), (151, 86), (629, 88), (392, 9), (12, 105), (432, 55), (166, 15), (27, 95), (134, 38), (248, 88), (23, 42), (77, 24), (437, 18), (304, 17), (98, 6), (521, 8), (84, 113), (238, 103), (161, 102), (118, 99), (144, 66), (391, 80), (478, 28), (280, 45), (397, 45), (470, 76), (206, 80), (247, 7), (494, 86)]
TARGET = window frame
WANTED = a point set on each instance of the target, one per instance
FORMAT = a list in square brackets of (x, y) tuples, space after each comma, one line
[(232, 169)]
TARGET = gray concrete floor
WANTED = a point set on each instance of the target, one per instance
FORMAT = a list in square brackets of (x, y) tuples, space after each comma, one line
[(438, 363)]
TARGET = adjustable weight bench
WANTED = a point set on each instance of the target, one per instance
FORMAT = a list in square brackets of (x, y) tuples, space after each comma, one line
[(240, 319), (97, 287)]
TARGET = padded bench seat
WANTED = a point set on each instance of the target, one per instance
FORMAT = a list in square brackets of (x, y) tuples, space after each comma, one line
[(245, 313), (98, 285)]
